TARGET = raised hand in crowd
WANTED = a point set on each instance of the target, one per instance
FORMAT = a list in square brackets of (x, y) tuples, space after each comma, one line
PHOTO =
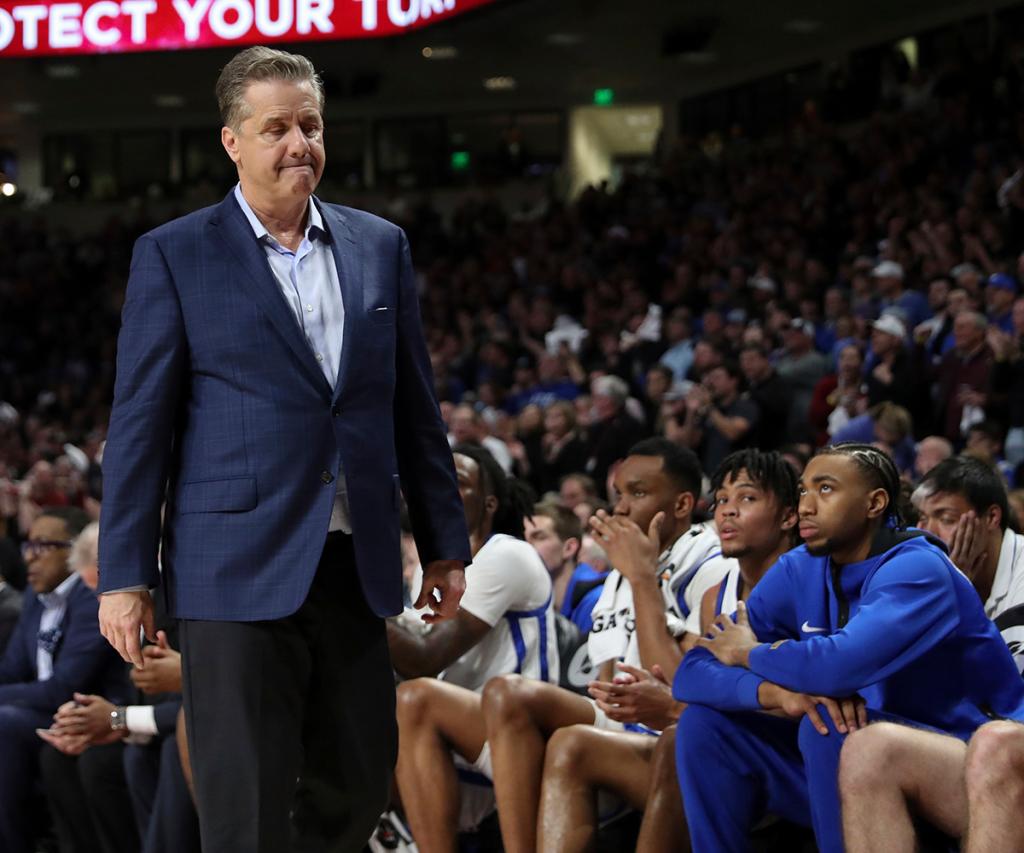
[(1003, 346)]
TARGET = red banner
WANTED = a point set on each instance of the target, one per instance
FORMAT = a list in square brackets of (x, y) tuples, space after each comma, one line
[(103, 26)]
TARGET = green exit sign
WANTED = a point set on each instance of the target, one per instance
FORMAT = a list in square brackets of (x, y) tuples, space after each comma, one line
[(604, 97), (460, 161)]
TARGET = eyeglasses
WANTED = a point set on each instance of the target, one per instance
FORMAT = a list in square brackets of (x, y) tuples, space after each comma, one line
[(34, 547)]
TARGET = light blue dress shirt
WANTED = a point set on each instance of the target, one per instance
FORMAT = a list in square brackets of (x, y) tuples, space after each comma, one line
[(308, 281), (54, 605)]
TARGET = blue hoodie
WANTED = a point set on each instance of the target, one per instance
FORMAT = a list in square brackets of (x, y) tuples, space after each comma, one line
[(904, 628)]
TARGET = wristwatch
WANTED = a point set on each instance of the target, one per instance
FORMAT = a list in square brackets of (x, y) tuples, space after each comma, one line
[(118, 719)]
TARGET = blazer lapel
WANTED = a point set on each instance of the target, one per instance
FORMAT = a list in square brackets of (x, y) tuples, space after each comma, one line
[(256, 277), (350, 276)]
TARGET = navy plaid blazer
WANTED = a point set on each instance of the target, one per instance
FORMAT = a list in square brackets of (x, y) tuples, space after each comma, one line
[(221, 410)]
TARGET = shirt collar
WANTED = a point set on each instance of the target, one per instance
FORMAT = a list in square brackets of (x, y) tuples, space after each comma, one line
[(314, 227), (1008, 555), (59, 596)]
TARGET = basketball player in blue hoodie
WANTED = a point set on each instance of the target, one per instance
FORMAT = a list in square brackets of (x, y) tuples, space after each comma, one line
[(866, 620)]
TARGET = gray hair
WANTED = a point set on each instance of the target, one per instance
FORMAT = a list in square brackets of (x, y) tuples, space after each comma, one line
[(611, 386), (256, 64), (84, 550)]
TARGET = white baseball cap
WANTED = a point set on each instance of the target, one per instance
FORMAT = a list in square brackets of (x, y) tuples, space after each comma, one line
[(888, 269), (891, 325)]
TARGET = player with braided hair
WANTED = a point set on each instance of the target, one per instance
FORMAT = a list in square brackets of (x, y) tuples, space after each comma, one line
[(865, 620)]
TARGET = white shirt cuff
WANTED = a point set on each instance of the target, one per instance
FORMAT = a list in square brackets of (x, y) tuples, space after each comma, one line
[(138, 588), (140, 719)]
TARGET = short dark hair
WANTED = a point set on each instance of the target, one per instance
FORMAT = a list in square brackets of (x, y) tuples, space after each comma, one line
[(663, 369), (679, 463), (877, 468), (730, 366), (515, 498), (992, 430), (75, 520), (566, 523), (970, 478), (769, 471)]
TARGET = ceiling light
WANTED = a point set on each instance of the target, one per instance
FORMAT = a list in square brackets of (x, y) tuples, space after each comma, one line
[(802, 26), (500, 84), (169, 102), (442, 52), (8, 189)]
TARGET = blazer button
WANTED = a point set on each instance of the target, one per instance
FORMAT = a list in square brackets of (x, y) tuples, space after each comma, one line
[(335, 411), (326, 478)]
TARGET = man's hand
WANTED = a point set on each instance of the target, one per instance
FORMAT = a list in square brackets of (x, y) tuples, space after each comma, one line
[(730, 641), (163, 668), (68, 744), (448, 577), (630, 550), (847, 714), (122, 616), (88, 716), (967, 545), (641, 697)]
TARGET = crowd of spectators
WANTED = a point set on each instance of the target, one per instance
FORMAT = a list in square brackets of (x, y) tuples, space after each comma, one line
[(835, 283)]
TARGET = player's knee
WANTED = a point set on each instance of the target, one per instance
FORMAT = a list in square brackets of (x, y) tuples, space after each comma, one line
[(506, 699), (697, 734), (867, 758), (995, 757), (412, 701), (567, 750)]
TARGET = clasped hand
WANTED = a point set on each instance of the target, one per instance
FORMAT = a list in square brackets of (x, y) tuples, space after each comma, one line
[(637, 696)]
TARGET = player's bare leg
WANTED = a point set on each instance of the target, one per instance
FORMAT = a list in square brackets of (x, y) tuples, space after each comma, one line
[(887, 773), (580, 760), (995, 789), (435, 718), (521, 715), (664, 829)]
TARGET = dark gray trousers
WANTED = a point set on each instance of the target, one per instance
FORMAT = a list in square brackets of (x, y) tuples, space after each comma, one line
[(291, 723)]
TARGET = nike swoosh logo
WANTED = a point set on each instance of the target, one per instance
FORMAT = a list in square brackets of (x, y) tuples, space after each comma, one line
[(810, 629)]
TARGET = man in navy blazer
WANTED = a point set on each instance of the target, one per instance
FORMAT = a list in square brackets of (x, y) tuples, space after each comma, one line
[(274, 398), (56, 649)]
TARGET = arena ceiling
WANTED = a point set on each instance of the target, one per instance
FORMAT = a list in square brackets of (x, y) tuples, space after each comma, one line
[(557, 52)]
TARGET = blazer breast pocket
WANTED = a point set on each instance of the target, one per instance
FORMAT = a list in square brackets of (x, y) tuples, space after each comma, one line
[(237, 494), (384, 314)]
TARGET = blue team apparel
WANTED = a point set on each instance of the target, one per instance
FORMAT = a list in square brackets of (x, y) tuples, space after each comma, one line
[(904, 629), (581, 595)]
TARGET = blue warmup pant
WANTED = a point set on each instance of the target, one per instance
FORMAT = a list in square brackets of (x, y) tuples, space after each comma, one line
[(735, 767)]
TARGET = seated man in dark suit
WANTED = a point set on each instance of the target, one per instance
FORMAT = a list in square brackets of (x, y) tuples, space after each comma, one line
[(10, 610), (106, 762), (56, 649)]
